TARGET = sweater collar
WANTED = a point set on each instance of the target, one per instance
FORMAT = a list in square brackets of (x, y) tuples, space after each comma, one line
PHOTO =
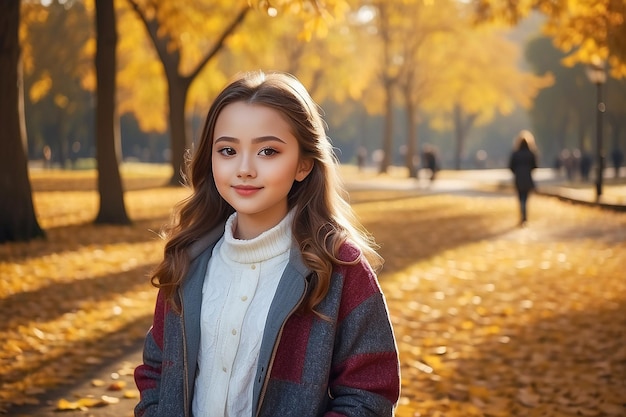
[(267, 245)]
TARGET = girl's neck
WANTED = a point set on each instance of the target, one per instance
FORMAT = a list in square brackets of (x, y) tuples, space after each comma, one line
[(250, 226)]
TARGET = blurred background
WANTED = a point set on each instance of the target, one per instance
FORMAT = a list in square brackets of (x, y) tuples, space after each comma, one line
[(392, 76), (101, 82)]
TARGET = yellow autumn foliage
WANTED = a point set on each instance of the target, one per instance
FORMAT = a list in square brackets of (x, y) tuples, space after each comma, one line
[(585, 29)]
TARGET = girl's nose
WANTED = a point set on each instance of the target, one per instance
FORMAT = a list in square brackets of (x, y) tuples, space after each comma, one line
[(246, 168)]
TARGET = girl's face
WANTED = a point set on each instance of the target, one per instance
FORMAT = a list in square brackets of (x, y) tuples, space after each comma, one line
[(255, 160)]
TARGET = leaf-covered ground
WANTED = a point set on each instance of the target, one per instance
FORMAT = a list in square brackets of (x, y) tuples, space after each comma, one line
[(491, 319)]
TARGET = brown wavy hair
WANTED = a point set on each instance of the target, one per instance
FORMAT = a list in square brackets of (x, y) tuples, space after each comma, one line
[(323, 221)]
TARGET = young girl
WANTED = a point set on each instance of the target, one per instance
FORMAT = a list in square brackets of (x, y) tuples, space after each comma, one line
[(267, 304)]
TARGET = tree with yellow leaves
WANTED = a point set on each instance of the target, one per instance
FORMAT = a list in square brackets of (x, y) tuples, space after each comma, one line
[(186, 36), (478, 77), (387, 18), (431, 56), (171, 25), (189, 35), (585, 29), (331, 61), (423, 23)]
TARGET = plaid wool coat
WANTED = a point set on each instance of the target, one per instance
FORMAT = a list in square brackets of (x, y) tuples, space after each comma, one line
[(308, 366)]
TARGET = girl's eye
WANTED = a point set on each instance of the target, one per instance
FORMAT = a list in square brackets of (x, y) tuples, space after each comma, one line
[(268, 152), (226, 151)]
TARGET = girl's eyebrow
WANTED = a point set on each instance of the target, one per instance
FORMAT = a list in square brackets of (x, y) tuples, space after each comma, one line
[(260, 139)]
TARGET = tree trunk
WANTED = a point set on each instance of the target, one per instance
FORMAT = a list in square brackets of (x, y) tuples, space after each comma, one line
[(462, 125), (388, 83), (112, 209), (17, 214), (458, 136), (411, 138), (388, 129), (177, 97)]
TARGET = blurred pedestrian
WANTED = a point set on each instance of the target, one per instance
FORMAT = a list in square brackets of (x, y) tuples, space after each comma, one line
[(618, 158), (430, 161), (585, 165), (47, 157), (568, 164), (576, 158), (361, 157), (480, 159), (522, 162), (268, 303), (557, 164)]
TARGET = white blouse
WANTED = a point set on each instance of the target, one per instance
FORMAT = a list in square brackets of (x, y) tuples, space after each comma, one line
[(242, 277)]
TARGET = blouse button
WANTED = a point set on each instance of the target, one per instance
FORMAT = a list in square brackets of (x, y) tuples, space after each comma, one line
[(253, 267), (244, 298), (234, 332)]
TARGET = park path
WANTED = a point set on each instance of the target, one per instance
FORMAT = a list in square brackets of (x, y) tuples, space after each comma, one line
[(491, 319)]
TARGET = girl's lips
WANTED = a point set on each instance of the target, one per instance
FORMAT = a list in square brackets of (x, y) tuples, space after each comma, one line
[(246, 190)]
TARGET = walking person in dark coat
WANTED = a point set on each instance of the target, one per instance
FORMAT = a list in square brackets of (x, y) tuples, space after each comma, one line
[(429, 159), (585, 166), (618, 157), (522, 162)]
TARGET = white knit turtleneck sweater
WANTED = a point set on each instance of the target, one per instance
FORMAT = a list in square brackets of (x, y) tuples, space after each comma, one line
[(238, 289)]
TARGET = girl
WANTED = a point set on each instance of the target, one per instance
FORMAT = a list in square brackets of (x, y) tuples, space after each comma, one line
[(267, 304)]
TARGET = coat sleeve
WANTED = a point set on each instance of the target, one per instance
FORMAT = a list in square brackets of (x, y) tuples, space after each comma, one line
[(365, 375), (148, 374)]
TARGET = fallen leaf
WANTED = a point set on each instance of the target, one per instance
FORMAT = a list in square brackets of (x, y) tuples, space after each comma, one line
[(117, 386)]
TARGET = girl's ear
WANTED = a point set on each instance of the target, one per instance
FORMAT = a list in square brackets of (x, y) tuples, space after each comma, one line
[(304, 168)]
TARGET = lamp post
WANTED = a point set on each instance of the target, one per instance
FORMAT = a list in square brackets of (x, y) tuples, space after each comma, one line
[(597, 75)]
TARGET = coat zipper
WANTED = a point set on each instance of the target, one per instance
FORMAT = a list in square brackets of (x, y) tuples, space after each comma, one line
[(274, 349)]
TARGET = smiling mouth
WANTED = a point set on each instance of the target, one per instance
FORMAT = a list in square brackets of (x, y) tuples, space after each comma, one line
[(246, 189)]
